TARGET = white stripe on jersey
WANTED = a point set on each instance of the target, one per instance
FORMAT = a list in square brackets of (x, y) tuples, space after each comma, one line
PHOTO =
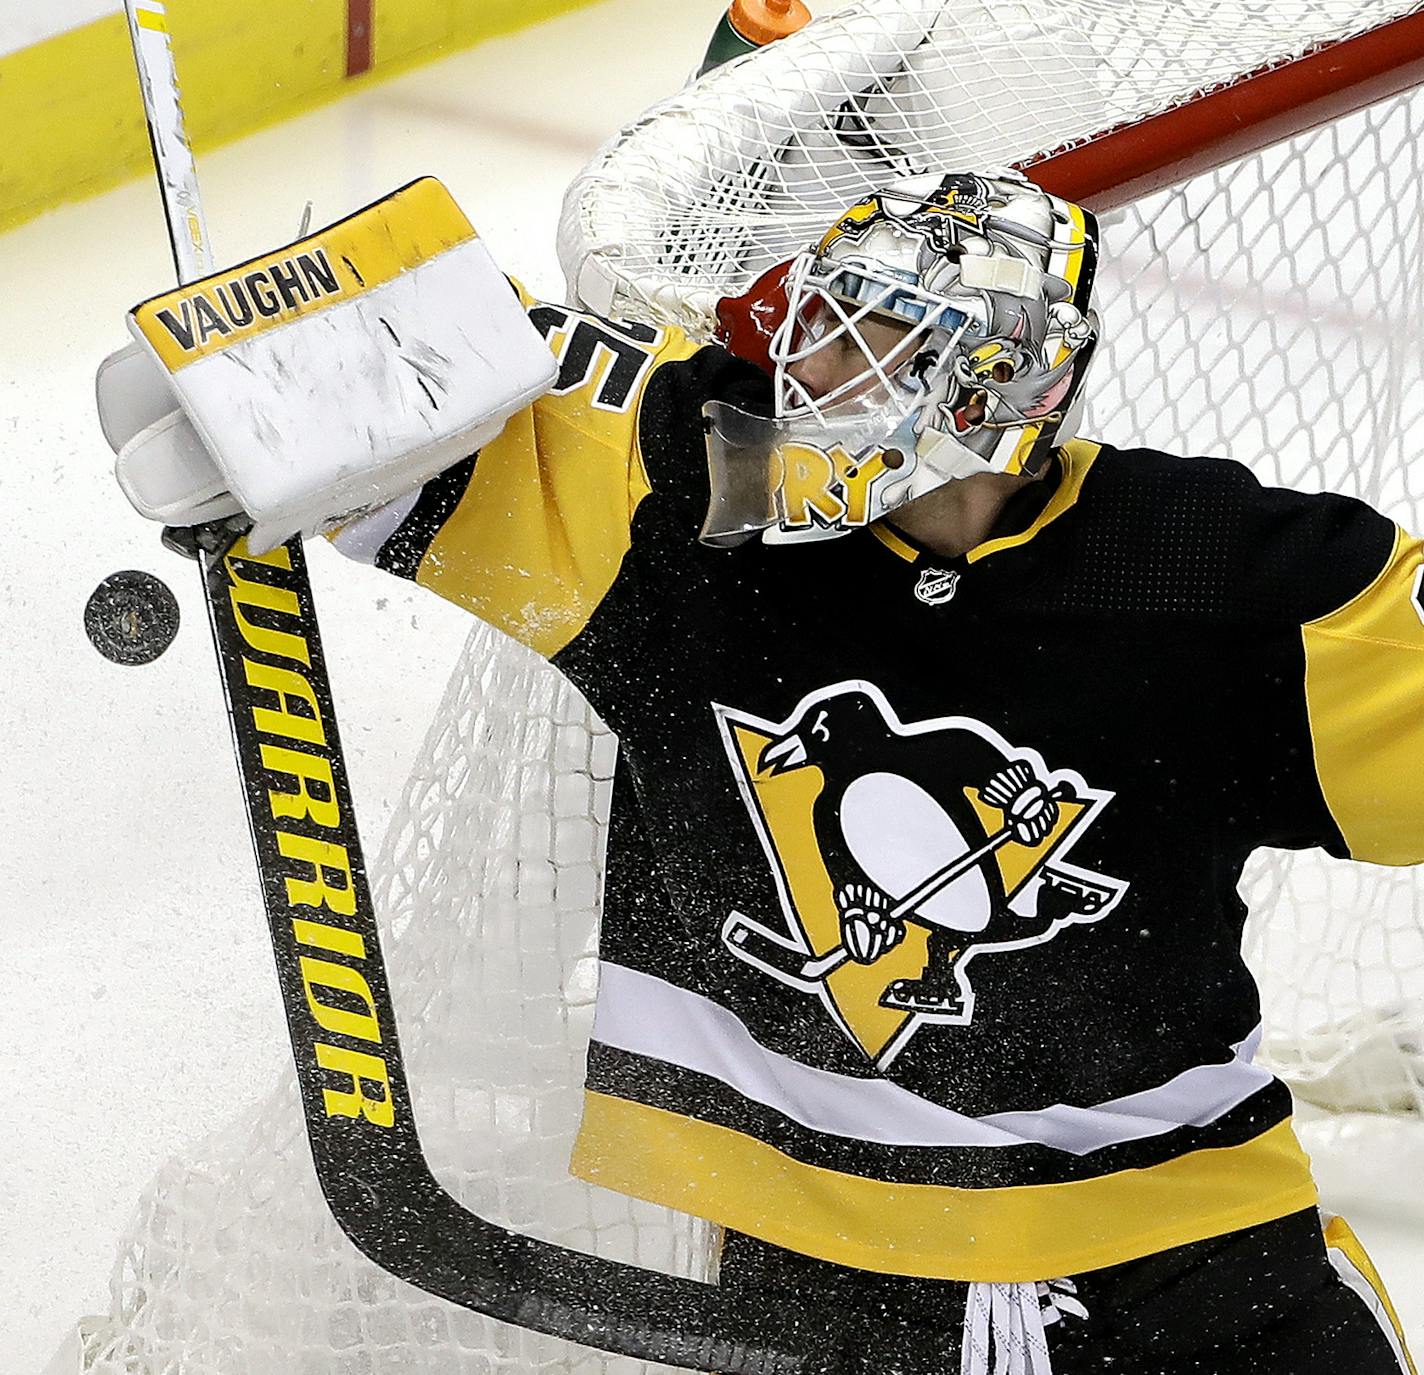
[(647, 1016)]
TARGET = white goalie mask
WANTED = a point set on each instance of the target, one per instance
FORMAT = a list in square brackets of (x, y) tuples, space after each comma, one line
[(941, 328)]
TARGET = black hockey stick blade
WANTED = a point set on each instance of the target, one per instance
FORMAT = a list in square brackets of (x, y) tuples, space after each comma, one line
[(354, 1090)]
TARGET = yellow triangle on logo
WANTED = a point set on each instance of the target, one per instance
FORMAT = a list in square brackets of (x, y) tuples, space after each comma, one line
[(786, 802)]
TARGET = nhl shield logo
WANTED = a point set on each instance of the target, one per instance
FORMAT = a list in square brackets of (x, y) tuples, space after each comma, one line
[(902, 853), (937, 586)]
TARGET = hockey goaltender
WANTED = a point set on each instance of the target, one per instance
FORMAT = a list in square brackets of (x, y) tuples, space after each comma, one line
[(944, 735)]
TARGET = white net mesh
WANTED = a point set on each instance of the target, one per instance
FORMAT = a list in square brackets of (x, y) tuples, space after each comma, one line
[(1273, 311), (733, 175)]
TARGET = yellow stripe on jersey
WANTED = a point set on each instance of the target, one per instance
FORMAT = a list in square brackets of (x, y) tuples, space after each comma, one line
[(998, 1235), (897, 546), (336, 264), (1364, 688), (1077, 456), (1340, 1237), (539, 535)]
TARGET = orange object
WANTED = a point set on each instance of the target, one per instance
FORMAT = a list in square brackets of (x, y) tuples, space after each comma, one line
[(764, 21)]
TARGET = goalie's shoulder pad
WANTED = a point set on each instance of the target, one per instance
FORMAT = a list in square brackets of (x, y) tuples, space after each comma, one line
[(327, 376)]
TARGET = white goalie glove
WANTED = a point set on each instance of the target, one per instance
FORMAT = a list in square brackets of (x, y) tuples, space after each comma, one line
[(324, 378)]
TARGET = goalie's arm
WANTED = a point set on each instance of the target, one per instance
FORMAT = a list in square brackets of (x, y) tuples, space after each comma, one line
[(382, 379), (1364, 689), (1313, 733), (531, 532)]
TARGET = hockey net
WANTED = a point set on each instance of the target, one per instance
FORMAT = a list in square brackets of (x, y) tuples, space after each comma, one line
[(1271, 308)]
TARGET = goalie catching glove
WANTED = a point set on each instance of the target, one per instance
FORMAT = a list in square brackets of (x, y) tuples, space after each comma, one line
[(324, 378)]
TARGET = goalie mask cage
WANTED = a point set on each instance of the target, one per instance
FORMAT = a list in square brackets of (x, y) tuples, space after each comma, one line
[(1270, 307)]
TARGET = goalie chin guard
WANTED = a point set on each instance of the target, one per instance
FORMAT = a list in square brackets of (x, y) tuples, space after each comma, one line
[(335, 989)]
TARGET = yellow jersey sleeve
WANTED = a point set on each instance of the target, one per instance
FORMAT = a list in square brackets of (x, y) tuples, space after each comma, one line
[(530, 533), (1364, 687)]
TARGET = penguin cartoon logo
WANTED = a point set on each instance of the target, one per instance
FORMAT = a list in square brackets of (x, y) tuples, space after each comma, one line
[(902, 853)]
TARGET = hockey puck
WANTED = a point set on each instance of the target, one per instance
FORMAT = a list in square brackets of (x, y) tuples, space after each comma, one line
[(131, 617)]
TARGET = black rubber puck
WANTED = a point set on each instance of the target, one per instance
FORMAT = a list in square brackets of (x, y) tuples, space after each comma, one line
[(131, 617)]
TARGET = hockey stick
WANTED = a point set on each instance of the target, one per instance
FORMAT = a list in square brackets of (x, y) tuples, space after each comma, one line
[(335, 990)]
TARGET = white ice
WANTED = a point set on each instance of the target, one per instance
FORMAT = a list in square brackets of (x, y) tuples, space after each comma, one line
[(137, 1003)]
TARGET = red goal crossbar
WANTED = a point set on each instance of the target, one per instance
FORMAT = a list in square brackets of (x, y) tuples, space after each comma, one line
[(1273, 103)]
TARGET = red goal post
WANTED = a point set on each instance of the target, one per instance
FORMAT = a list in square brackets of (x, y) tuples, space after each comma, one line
[(1277, 101)]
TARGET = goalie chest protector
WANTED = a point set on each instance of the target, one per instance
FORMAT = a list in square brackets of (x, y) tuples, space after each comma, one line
[(1033, 773)]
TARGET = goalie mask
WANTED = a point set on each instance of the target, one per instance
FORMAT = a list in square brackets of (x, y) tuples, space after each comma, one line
[(940, 329)]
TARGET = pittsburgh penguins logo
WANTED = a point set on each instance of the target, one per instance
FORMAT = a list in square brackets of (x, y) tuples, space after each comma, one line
[(902, 853)]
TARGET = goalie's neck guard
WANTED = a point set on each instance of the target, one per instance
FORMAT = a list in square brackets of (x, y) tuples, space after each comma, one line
[(941, 328)]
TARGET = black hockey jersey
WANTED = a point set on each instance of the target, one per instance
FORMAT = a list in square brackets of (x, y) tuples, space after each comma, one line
[(1052, 1069)]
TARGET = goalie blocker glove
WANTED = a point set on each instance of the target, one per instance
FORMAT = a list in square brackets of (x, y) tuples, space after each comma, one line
[(324, 378)]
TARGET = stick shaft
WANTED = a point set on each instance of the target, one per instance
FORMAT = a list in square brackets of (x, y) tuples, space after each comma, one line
[(936, 882), (959, 867), (172, 153)]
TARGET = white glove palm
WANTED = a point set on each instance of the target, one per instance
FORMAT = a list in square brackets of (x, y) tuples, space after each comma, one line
[(323, 378)]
